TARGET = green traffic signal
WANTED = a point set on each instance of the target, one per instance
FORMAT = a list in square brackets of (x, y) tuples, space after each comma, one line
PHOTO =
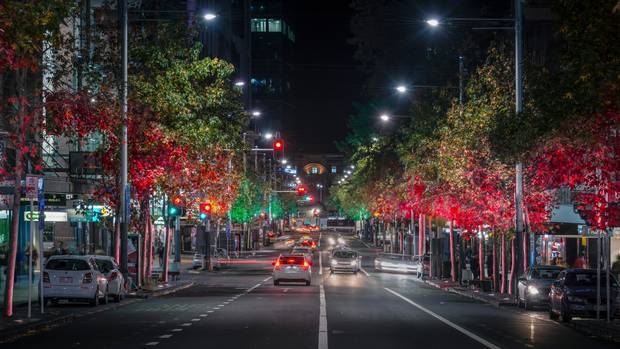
[(173, 210), (202, 216)]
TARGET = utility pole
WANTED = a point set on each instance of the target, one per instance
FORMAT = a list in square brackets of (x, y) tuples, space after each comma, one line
[(123, 192), (519, 166)]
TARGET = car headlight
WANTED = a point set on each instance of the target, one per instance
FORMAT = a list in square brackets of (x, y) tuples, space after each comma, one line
[(353, 262), (341, 241), (334, 262), (532, 290), (331, 241)]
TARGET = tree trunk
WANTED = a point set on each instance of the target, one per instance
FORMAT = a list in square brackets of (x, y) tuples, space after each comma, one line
[(494, 271), (512, 266), (503, 253), (481, 253), (452, 268), (144, 241), (149, 245), (10, 275)]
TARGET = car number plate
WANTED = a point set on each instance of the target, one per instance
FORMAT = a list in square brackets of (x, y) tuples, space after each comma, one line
[(66, 280)]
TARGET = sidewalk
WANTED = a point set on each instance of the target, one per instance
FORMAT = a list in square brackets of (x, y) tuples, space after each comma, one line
[(495, 299), (55, 315), (599, 328)]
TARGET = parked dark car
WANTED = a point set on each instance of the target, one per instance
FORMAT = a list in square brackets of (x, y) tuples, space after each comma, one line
[(574, 294), (533, 288)]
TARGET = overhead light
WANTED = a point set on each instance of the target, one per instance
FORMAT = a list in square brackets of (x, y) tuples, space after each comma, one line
[(401, 88), (210, 16), (284, 161), (239, 83), (256, 113), (385, 117), (433, 22), (268, 135)]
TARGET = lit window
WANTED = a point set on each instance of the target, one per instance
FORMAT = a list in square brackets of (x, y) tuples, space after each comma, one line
[(315, 170), (259, 25), (334, 169), (275, 26)]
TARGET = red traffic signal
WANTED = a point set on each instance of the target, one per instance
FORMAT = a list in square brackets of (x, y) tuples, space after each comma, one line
[(301, 190), (263, 215), (177, 200), (205, 207), (278, 145)]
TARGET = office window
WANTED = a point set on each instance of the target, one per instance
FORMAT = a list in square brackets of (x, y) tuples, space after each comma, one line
[(334, 169), (259, 25), (274, 25), (315, 170)]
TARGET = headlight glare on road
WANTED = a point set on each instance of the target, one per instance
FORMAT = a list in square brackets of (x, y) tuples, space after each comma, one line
[(532, 290)]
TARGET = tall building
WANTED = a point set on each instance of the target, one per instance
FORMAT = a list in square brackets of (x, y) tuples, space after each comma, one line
[(273, 36)]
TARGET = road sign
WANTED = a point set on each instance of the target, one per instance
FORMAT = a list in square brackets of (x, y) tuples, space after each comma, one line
[(31, 186)]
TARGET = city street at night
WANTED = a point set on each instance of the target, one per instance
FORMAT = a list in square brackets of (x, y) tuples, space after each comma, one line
[(351, 174)]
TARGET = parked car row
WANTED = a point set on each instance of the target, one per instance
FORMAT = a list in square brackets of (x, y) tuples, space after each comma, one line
[(91, 279)]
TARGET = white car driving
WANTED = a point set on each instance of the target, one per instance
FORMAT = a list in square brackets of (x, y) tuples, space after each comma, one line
[(292, 268), (74, 278)]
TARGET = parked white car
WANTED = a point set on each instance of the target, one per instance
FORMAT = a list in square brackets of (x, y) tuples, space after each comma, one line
[(116, 282), (74, 278)]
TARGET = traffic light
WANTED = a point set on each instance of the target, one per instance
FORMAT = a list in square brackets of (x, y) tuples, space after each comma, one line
[(205, 208), (278, 145), (203, 216), (175, 206), (301, 190)]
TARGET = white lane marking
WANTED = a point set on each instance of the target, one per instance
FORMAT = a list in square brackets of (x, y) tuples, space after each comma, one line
[(446, 321), (186, 324), (165, 336), (320, 262), (322, 319), (176, 330), (203, 315), (362, 268), (152, 343), (209, 311), (267, 279), (252, 288), (196, 319)]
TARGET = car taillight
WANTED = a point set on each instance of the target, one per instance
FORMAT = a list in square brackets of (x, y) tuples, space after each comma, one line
[(306, 265), (313, 244), (114, 275), (88, 278), (277, 264), (46, 277)]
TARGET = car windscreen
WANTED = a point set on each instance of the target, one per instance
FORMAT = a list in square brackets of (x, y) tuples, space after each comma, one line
[(292, 260), (105, 266), (545, 274), (67, 264), (586, 280), (344, 254), (301, 250)]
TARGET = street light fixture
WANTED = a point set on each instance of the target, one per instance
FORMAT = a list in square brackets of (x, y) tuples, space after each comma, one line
[(209, 16), (401, 89), (268, 135), (239, 83), (385, 117), (256, 113), (284, 161), (433, 22)]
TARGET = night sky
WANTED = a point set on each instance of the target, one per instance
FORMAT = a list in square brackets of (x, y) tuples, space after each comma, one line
[(325, 78)]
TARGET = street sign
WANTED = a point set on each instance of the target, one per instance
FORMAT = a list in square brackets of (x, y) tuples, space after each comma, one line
[(31, 186)]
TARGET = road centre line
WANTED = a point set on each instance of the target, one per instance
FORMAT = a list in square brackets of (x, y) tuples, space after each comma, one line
[(446, 321), (322, 319)]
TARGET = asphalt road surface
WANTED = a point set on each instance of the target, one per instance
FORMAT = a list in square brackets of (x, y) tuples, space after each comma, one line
[(241, 308)]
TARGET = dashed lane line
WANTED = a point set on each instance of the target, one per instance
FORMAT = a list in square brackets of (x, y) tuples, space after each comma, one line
[(165, 336), (322, 319), (152, 343), (445, 321)]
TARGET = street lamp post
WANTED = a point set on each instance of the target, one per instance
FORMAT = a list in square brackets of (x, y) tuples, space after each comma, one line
[(521, 263), (124, 190)]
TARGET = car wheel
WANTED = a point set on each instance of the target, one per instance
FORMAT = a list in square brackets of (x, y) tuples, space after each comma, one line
[(526, 304), (355, 272), (566, 315), (95, 301), (552, 314), (308, 283), (276, 282), (106, 296)]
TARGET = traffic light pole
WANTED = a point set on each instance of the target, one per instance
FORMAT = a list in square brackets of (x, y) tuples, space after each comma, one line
[(177, 239)]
